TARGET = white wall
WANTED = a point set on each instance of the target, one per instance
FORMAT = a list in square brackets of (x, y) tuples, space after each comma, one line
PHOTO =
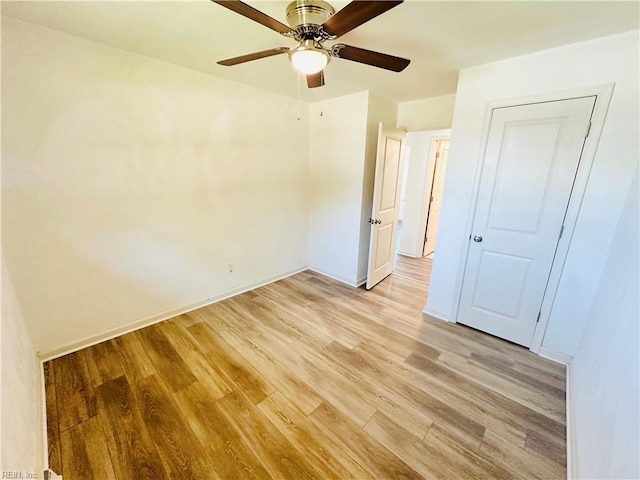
[(427, 114), (379, 110), (336, 171), (405, 172), (22, 422), (605, 368), (596, 62), (130, 183), (418, 189), (343, 135)]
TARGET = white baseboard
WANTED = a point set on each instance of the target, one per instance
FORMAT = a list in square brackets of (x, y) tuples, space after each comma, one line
[(437, 314), (335, 277), (571, 434), (44, 466), (43, 439), (555, 356), (566, 360), (409, 254), (51, 475), (159, 317), (89, 341)]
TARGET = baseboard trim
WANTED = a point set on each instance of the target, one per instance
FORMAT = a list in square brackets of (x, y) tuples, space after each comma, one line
[(334, 277), (555, 356), (566, 360), (159, 317), (408, 254), (51, 475), (571, 434), (439, 315), (44, 438)]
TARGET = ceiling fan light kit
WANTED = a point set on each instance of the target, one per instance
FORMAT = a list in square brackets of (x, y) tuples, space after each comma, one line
[(313, 22), (309, 57)]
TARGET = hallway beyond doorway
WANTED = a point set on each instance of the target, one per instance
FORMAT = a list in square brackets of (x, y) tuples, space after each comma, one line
[(418, 269)]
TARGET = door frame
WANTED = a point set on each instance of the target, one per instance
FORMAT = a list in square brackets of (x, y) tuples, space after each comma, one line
[(428, 193), (417, 245), (603, 94)]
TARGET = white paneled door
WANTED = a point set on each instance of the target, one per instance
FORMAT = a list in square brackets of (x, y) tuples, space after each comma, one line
[(386, 204), (530, 163)]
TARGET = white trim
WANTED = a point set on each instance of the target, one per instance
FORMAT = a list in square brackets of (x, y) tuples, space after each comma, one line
[(42, 418), (464, 250), (437, 314), (44, 439), (570, 410), (404, 253), (336, 277), (158, 317), (572, 471), (555, 356), (603, 94)]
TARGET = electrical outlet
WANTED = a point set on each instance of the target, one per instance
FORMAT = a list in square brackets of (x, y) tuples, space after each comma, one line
[(231, 267)]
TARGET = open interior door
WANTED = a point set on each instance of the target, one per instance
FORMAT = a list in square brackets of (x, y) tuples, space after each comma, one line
[(386, 203), (435, 201)]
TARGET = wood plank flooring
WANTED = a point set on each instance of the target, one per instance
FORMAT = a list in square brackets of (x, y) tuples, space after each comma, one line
[(418, 269), (307, 378)]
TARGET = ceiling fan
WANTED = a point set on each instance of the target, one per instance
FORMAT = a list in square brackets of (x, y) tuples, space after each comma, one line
[(313, 22)]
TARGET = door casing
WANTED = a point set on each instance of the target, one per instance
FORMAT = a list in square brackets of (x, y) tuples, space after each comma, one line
[(603, 95)]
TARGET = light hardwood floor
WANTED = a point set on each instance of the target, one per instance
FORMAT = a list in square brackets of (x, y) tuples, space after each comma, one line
[(307, 378), (418, 269)]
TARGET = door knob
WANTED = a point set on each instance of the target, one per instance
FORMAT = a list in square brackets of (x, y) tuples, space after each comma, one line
[(477, 238)]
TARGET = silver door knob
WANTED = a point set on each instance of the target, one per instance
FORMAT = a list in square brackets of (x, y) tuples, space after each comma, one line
[(477, 238)]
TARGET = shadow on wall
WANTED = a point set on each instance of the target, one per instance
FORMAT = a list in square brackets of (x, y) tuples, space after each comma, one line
[(73, 277)]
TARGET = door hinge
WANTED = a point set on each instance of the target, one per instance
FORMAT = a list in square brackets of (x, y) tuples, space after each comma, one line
[(588, 130), (437, 155), (538, 319), (561, 232)]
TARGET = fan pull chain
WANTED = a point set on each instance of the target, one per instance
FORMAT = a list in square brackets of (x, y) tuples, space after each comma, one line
[(298, 76)]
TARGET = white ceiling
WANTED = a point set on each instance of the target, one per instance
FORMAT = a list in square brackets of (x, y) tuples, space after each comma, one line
[(440, 38)]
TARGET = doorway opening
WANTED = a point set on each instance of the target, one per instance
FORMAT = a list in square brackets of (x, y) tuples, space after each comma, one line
[(421, 192)]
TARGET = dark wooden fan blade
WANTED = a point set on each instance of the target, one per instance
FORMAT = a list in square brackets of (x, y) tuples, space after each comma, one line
[(253, 14), (315, 79), (253, 56), (375, 59), (355, 14)]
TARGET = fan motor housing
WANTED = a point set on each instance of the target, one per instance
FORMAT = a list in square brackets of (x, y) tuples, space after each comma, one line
[(308, 12)]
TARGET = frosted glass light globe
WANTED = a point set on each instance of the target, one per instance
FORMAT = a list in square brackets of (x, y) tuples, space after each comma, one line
[(308, 59)]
